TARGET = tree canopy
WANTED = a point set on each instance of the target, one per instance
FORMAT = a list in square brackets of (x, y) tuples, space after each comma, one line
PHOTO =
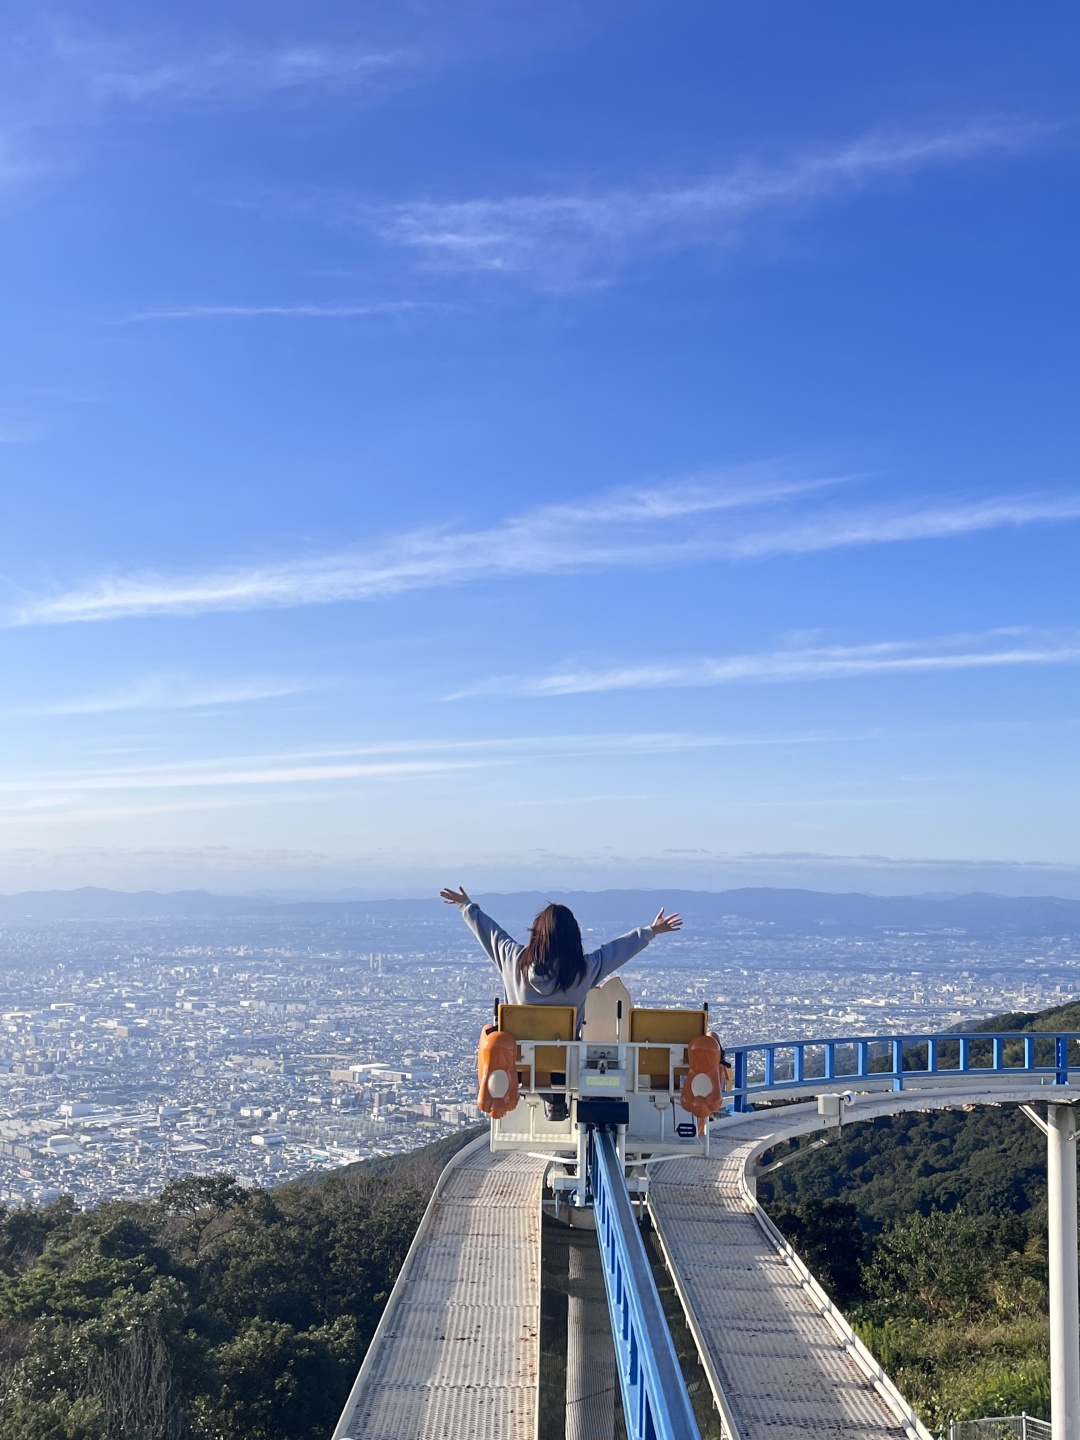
[(209, 1313)]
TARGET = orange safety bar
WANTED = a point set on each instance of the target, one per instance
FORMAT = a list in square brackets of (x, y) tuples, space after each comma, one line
[(496, 1068), (703, 1089)]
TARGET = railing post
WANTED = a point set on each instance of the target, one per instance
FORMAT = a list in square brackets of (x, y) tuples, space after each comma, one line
[(1064, 1299), (1061, 1059), (742, 1100), (999, 1053), (898, 1064)]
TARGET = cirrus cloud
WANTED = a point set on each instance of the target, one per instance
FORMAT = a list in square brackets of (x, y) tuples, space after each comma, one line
[(564, 238), (991, 650), (710, 518)]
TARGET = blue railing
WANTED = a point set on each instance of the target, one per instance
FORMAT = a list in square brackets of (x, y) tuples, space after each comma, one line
[(655, 1400), (808, 1066)]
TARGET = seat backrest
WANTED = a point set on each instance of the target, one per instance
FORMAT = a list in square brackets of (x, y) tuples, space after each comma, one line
[(603, 1022), (539, 1022), (667, 1027)]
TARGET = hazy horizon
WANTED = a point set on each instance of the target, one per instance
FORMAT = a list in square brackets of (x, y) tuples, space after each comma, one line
[(679, 894)]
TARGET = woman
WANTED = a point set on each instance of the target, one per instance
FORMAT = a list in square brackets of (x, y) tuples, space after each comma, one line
[(553, 969)]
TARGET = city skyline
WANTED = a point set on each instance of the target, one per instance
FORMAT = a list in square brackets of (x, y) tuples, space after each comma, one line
[(270, 1046)]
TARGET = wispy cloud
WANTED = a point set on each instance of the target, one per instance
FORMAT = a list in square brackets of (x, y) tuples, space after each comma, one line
[(119, 69), (239, 773), (376, 760), (290, 312), (995, 649), (708, 518), (840, 529), (66, 797), (174, 692), (618, 527), (118, 791), (561, 237)]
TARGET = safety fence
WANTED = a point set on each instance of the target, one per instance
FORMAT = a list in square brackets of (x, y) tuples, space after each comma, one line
[(809, 1066), (1001, 1427)]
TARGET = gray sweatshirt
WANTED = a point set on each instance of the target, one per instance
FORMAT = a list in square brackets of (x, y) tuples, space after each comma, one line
[(540, 989)]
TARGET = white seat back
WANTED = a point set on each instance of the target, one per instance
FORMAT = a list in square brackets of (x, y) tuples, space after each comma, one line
[(602, 1023)]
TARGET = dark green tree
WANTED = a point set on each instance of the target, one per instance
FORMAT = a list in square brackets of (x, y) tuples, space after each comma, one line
[(830, 1237)]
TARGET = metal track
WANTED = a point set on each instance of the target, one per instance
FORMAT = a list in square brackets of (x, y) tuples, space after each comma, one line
[(655, 1401), (455, 1355), (782, 1360)]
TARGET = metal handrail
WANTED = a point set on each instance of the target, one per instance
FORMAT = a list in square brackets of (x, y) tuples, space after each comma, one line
[(656, 1404), (903, 1060)]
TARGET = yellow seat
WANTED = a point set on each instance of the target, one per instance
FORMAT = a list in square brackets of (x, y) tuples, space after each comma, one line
[(667, 1027), (541, 1022), (662, 1029)]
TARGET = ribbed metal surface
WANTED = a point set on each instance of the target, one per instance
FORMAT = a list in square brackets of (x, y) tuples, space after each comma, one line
[(783, 1368), (591, 1376), (458, 1354)]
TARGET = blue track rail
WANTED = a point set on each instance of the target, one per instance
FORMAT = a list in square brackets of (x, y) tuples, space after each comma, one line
[(807, 1066), (655, 1400)]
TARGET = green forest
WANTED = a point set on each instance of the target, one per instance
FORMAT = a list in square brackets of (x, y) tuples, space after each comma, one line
[(929, 1231), (211, 1311)]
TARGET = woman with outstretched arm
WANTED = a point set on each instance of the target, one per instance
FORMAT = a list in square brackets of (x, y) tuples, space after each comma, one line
[(553, 969)]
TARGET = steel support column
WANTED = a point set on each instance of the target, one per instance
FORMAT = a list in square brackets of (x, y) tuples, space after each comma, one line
[(1064, 1298)]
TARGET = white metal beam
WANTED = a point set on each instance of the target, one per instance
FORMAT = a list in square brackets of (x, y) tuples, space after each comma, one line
[(1064, 1290)]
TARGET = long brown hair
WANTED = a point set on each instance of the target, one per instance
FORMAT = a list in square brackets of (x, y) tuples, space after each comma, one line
[(554, 947)]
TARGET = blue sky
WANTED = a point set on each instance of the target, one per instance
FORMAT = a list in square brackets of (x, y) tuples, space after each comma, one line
[(517, 444)]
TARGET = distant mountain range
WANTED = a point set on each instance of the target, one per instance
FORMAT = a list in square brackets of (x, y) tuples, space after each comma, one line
[(792, 912)]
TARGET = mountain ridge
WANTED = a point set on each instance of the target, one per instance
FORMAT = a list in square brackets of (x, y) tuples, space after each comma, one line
[(783, 910)]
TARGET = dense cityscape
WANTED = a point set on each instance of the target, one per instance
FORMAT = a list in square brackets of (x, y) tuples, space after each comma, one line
[(135, 1051)]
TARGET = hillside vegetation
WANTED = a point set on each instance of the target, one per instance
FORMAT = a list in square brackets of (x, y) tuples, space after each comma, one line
[(212, 1311), (930, 1232)]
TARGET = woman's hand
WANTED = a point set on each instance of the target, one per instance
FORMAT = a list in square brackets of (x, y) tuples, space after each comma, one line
[(458, 897), (663, 924)]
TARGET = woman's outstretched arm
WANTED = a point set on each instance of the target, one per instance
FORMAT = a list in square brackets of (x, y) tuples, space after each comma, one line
[(617, 952), (499, 947)]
